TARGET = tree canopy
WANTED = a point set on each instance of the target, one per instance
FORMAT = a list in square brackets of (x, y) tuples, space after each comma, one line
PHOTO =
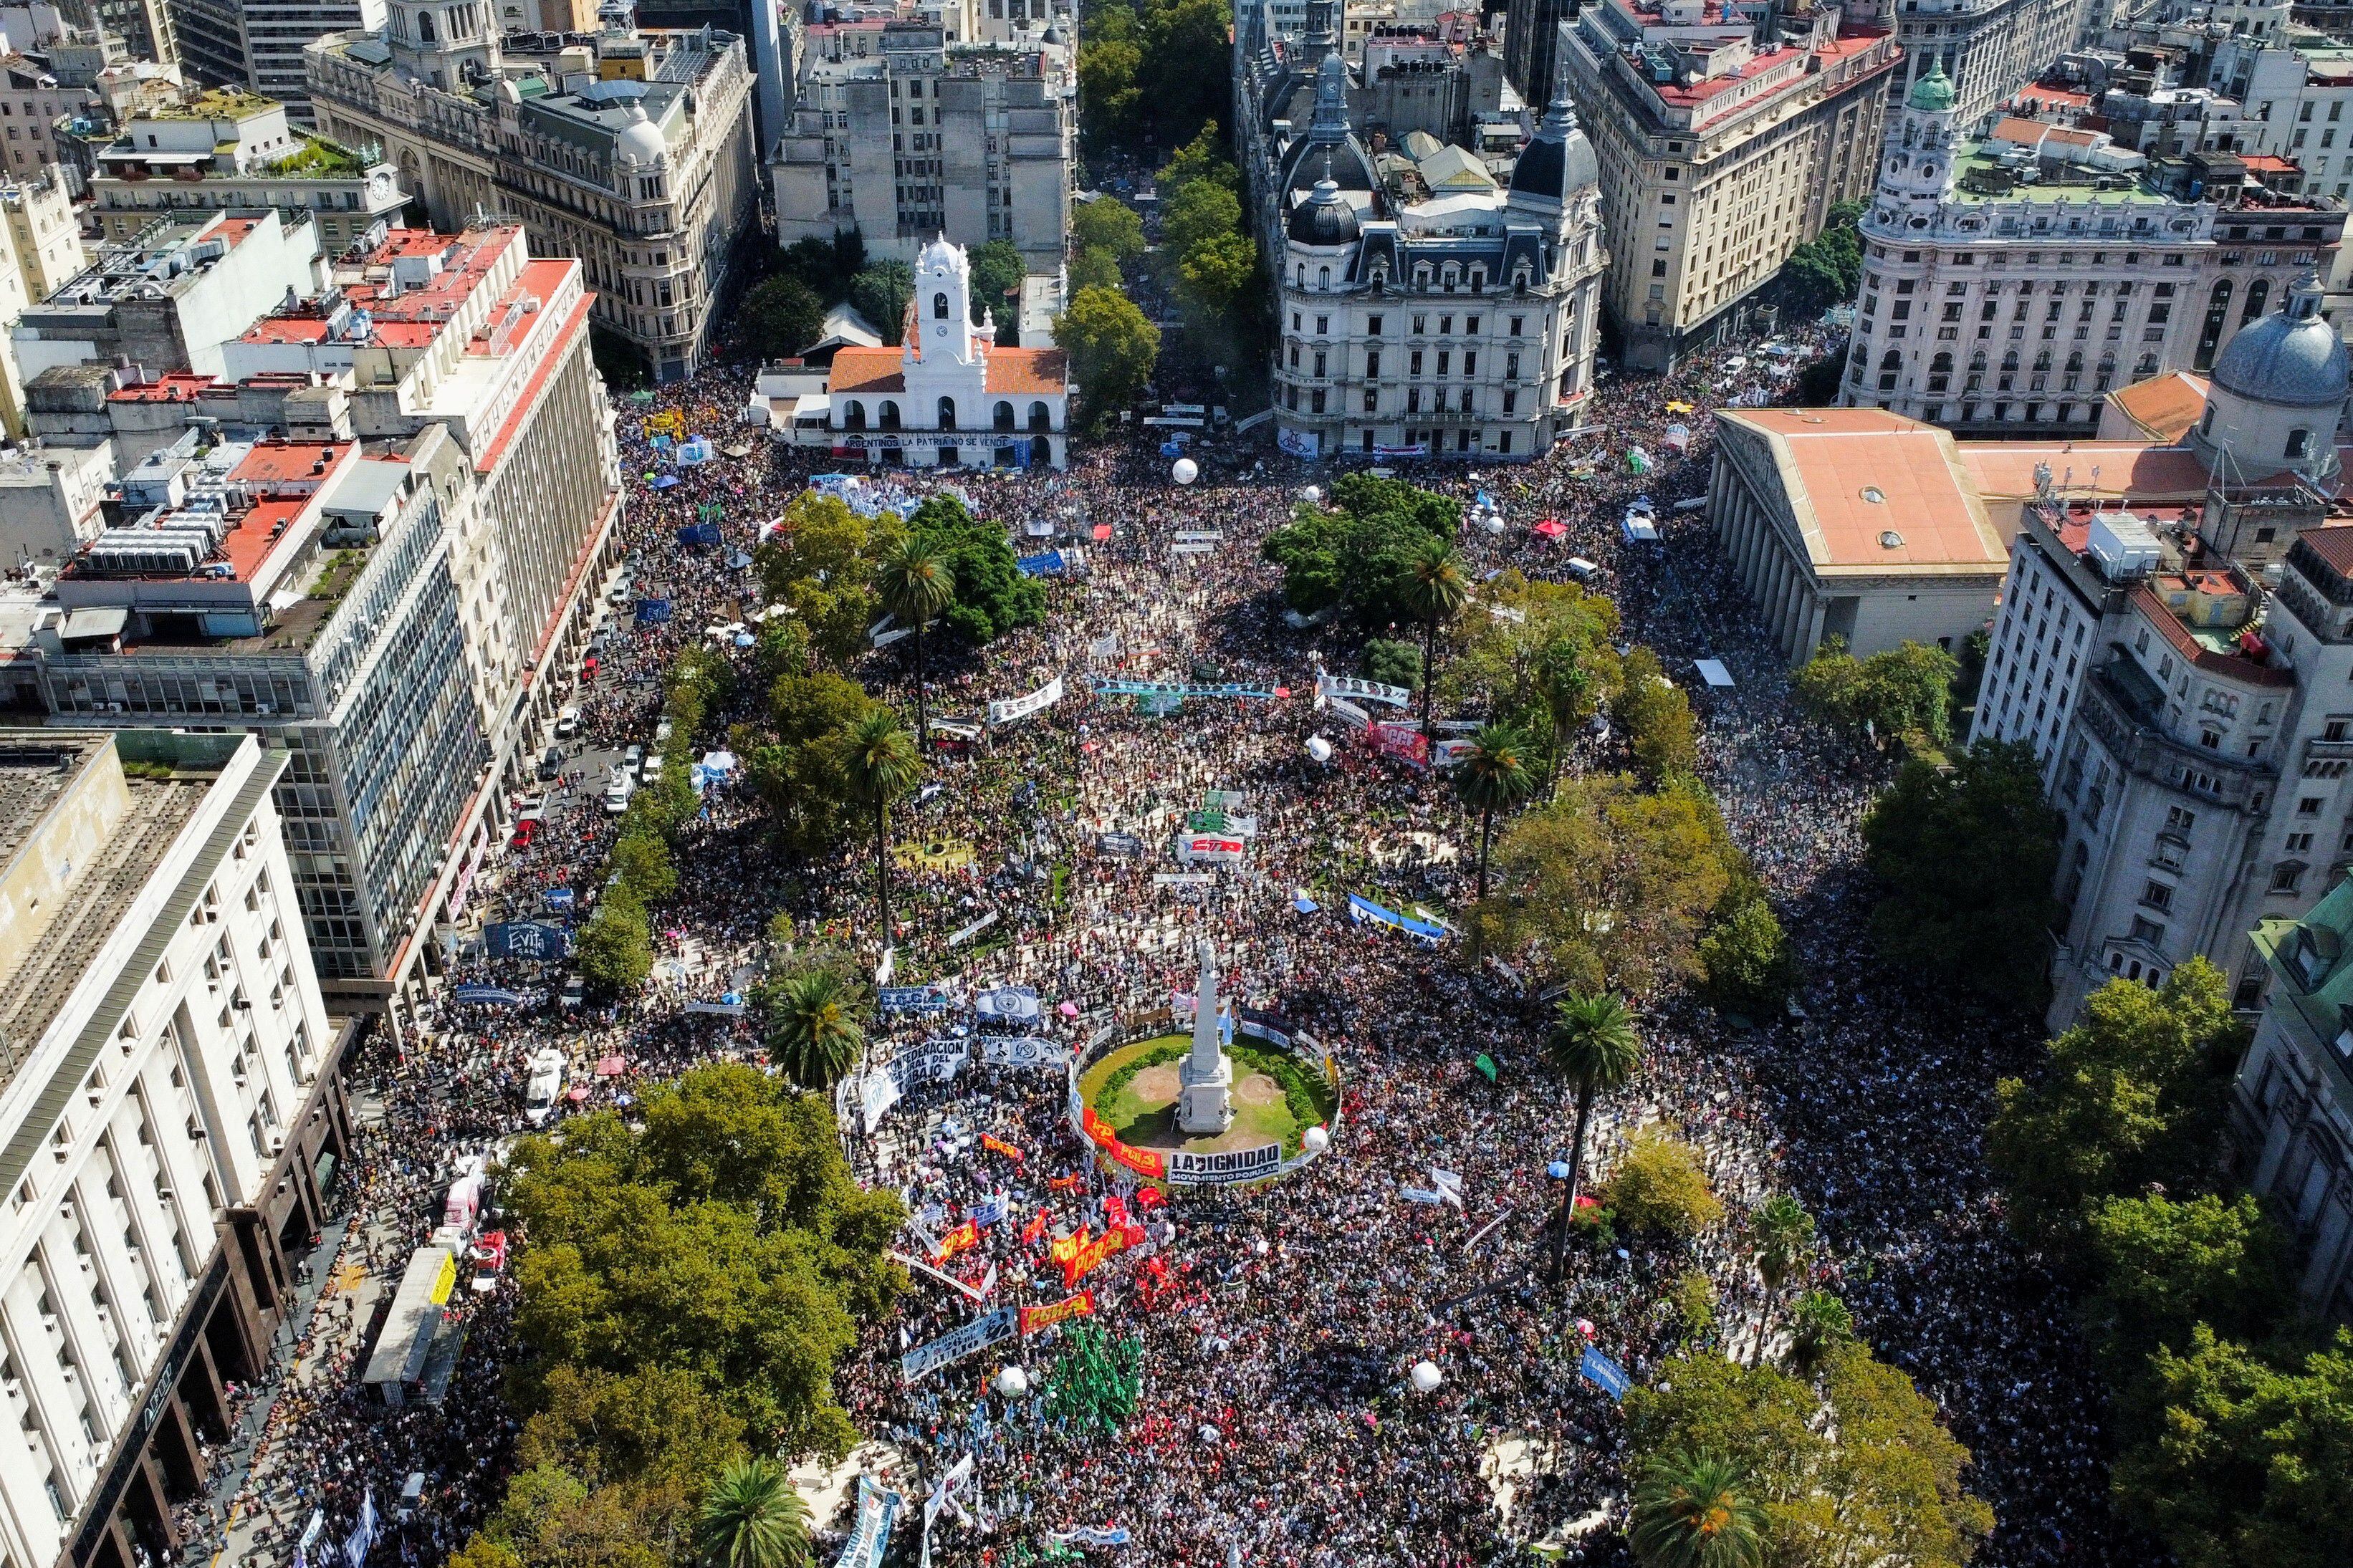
[(1855, 1469), (997, 270), (781, 316), (1966, 854), (880, 293), (819, 564), (1901, 695), (1360, 555), (992, 597), (1112, 349), (1109, 225), (1826, 270)]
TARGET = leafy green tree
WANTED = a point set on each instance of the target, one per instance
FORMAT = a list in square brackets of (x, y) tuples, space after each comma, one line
[(2165, 1268), (1859, 1472), (643, 861), (781, 317), (1361, 554), (1107, 224), (1819, 1324), (1826, 269), (1690, 1512), (1197, 213), (917, 584), (1746, 965), (1541, 658), (1112, 348), (812, 1029), (1966, 854), (1214, 276), (1393, 663), (996, 271), (1594, 1048), (796, 768), (2132, 1094), (753, 1518), (992, 597), (819, 563), (881, 764), (1656, 717), (726, 1243), (826, 266), (655, 1433), (1493, 775), (1903, 694), (1604, 888), (615, 953), (1693, 1299), (552, 1520), (1096, 267), (1659, 1187), (1437, 585), (1202, 158), (2243, 1456), (1783, 1233), (1111, 104), (880, 293)]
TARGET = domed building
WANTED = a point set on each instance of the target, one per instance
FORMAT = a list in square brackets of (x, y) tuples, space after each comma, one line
[(2277, 396), (1437, 313)]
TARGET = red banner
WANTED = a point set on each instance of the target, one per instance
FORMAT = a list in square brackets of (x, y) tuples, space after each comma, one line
[(1143, 1161), (999, 1146), (1036, 1318), (962, 1237), (1034, 1229), (1078, 1254), (1406, 743)]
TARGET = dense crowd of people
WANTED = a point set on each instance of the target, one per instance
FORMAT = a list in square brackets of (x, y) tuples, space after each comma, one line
[(1276, 1424)]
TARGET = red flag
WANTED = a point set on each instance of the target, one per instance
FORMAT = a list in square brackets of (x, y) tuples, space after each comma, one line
[(1034, 1229)]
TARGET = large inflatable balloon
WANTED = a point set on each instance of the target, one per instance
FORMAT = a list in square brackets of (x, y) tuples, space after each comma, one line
[(1185, 471)]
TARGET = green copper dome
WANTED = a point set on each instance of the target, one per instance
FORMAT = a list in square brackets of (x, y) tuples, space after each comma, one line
[(1933, 93)]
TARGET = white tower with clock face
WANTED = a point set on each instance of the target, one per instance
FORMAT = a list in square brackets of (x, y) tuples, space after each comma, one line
[(942, 329)]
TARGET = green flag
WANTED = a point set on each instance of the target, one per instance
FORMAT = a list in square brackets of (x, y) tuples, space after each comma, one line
[(1485, 1064)]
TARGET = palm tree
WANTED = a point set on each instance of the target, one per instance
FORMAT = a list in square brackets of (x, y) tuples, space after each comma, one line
[(1436, 589), (1784, 1233), (1494, 775), (1593, 1046), (917, 584), (1563, 683), (752, 1518), (814, 1030), (1819, 1323), (1692, 1511), (882, 765)]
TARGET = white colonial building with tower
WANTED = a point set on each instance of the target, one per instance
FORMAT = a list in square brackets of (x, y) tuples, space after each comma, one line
[(948, 395)]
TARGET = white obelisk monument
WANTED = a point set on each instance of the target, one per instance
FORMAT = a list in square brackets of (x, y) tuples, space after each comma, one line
[(1205, 1078)]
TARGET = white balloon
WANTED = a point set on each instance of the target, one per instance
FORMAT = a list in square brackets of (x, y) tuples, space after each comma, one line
[(1319, 749), (1313, 492), (1185, 471), (1013, 1383), (1427, 1377), (1492, 523), (1314, 1141)]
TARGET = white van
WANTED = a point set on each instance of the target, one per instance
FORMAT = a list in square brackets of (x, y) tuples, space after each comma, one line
[(650, 773), (618, 793), (1581, 569), (567, 724), (546, 1084)]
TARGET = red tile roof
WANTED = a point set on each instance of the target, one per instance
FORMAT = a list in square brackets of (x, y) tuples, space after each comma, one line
[(858, 369), (1026, 371)]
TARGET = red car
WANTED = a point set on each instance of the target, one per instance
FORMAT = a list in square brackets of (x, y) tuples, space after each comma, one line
[(525, 831), (589, 668)]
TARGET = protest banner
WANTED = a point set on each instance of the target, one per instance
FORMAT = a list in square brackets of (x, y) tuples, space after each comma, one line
[(1034, 1318), (1012, 707), (1350, 686), (959, 1342), (877, 1511)]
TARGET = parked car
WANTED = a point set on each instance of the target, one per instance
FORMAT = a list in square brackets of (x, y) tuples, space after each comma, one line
[(618, 793), (551, 763), (567, 724), (524, 832), (633, 757), (650, 771)]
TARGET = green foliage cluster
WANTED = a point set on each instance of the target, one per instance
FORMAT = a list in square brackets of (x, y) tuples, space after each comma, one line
[(1902, 696), (615, 953), (1659, 1187), (1360, 554), (1112, 349), (1104, 234), (1306, 1096), (1826, 269), (996, 271), (2236, 1413), (1393, 662), (687, 1290), (819, 564), (1538, 657), (1745, 961), (1151, 74), (1120, 1077), (799, 766), (1656, 717), (781, 317), (825, 267), (992, 597), (1851, 1467), (1967, 853), (880, 293)]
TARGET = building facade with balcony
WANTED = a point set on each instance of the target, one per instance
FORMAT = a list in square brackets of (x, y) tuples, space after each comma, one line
[(903, 136), (2010, 281), (1719, 154), (171, 1113), (633, 153)]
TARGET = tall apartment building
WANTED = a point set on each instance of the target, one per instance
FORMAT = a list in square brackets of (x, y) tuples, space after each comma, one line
[(1719, 154), (903, 136), (2010, 281), (170, 1102), (1417, 323), (374, 538), (2192, 730), (632, 151), (230, 149), (260, 44), (1987, 50), (40, 248), (1532, 47)]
